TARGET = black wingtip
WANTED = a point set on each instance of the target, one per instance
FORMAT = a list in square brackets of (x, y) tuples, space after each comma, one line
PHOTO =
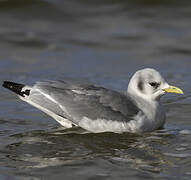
[(15, 87)]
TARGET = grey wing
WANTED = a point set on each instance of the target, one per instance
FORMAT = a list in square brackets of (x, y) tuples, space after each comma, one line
[(76, 101), (43, 101)]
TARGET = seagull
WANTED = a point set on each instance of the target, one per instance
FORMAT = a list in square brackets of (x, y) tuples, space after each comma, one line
[(98, 109)]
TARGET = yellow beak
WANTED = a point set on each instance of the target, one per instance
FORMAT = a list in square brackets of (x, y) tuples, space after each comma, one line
[(173, 89)]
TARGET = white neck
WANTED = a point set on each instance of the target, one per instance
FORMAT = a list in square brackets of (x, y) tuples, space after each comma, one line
[(147, 105)]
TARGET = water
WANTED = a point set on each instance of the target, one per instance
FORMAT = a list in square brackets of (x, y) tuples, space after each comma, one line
[(104, 42)]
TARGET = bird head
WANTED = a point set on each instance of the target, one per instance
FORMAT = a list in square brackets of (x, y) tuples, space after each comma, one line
[(149, 84)]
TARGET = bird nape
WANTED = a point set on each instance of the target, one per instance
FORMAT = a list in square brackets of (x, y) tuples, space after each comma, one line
[(98, 109)]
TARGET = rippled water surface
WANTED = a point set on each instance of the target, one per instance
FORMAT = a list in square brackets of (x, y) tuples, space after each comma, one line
[(105, 42)]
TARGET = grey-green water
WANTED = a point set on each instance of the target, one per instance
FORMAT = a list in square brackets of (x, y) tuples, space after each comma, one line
[(104, 42)]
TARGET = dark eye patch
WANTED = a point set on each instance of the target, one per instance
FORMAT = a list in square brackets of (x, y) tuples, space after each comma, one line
[(140, 85), (154, 84)]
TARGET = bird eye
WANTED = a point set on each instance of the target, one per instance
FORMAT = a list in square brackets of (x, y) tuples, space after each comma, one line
[(154, 84)]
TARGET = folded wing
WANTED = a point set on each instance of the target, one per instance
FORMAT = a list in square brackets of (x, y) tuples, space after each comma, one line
[(78, 102)]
